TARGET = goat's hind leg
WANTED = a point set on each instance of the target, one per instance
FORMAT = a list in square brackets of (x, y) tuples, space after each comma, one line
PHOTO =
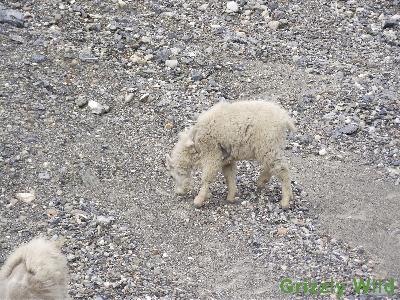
[(280, 169), (264, 177)]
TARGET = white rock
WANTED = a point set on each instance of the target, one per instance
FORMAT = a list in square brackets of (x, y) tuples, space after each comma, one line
[(25, 197), (296, 58), (148, 57), (171, 63), (203, 7), (98, 108), (144, 97), (136, 59), (232, 6), (274, 25), (390, 34), (145, 39), (104, 220), (322, 152), (175, 51), (121, 4), (129, 97), (215, 26)]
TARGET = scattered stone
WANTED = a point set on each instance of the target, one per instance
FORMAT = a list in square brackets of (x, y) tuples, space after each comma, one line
[(144, 97), (80, 216), (52, 212), (282, 231), (97, 108), (17, 38), (137, 59), (38, 58), (128, 98), (103, 220), (349, 129), (196, 76), (203, 7), (81, 101), (390, 22), (171, 63), (121, 4), (145, 39), (87, 56), (163, 54), (89, 178), (12, 17), (168, 125), (71, 257), (25, 197), (232, 6), (322, 152), (44, 175), (274, 25)]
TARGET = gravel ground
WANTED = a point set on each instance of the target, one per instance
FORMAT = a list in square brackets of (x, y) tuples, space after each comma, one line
[(93, 94)]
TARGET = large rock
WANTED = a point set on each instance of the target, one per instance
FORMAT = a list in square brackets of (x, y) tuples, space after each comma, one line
[(11, 16)]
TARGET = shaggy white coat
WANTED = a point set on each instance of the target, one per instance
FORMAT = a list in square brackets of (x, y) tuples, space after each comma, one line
[(229, 132), (37, 271)]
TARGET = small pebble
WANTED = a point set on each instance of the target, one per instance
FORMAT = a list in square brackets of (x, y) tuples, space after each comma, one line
[(274, 25), (25, 197), (231, 7), (171, 63), (322, 152), (98, 108)]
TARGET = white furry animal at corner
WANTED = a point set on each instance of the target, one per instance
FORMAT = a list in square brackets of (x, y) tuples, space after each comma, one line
[(36, 270), (229, 132)]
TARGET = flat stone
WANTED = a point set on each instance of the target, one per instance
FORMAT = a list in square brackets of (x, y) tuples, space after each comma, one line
[(25, 197), (97, 108), (171, 63), (81, 101), (274, 25), (349, 129), (38, 58)]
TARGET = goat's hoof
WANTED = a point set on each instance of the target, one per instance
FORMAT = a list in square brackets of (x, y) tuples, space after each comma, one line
[(232, 199), (198, 202), (285, 206)]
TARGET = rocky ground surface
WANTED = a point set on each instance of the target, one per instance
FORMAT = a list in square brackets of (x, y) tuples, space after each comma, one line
[(93, 94)]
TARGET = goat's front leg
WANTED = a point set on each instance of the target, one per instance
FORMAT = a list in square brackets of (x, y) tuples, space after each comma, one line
[(210, 172), (229, 172)]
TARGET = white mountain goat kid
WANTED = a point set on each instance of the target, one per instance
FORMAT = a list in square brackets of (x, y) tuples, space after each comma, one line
[(36, 270), (226, 133)]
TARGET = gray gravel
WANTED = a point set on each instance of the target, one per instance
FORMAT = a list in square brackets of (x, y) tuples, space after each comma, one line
[(93, 94)]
